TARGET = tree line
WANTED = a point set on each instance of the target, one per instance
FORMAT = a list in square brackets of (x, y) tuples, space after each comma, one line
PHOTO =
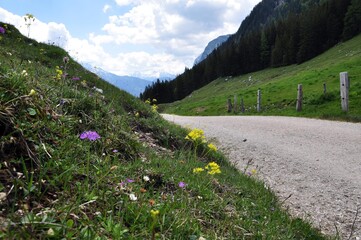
[(293, 37)]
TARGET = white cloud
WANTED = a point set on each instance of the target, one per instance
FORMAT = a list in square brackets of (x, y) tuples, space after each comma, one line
[(176, 31), (106, 8)]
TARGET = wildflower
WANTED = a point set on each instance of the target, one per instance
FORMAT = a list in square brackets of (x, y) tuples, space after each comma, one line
[(59, 72), (32, 92), (76, 78), (24, 73), (151, 202), (2, 30), (115, 150), (154, 100), (91, 135), (147, 101), (198, 170), (50, 232), (213, 168), (132, 197), (212, 147), (253, 171), (137, 114), (65, 60), (146, 178), (130, 180), (195, 135), (182, 184), (154, 213), (154, 108)]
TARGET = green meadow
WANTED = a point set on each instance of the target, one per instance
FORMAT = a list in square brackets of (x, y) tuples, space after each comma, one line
[(279, 89)]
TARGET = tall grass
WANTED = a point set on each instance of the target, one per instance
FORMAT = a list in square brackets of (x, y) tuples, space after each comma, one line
[(133, 180)]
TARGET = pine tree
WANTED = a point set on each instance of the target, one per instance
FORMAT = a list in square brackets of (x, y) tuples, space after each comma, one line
[(352, 22)]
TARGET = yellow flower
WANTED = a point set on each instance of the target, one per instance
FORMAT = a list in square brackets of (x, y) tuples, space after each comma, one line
[(212, 147), (195, 135), (147, 101), (32, 92), (198, 170), (253, 171), (154, 108), (154, 213), (59, 72), (213, 168)]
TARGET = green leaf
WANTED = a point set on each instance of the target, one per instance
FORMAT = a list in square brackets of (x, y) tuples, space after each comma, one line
[(70, 223), (31, 111)]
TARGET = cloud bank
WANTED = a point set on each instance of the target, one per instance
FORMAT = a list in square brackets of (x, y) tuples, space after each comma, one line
[(149, 37)]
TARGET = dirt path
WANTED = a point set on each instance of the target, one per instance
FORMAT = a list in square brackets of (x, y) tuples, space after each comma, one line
[(317, 162)]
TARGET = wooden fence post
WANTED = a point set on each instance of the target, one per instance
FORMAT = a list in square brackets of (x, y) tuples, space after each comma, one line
[(299, 98), (229, 109), (259, 96), (235, 109), (344, 90), (242, 105)]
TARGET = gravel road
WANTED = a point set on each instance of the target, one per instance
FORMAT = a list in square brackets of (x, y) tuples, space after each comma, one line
[(314, 166)]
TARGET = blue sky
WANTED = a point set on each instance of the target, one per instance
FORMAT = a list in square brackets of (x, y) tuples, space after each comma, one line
[(143, 38)]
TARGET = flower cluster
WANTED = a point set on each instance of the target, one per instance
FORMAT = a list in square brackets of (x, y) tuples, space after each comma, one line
[(212, 147), (212, 168), (196, 135), (91, 135), (2, 30), (59, 73)]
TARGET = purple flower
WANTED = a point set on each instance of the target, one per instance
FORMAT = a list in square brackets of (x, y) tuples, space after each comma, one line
[(76, 78), (130, 180), (182, 184), (2, 30), (91, 135), (115, 150)]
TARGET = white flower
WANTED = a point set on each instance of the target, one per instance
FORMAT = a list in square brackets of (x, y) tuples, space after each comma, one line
[(132, 197), (24, 73), (146, 178)]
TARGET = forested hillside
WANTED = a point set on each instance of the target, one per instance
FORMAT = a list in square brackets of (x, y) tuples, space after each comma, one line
[(276, 33)]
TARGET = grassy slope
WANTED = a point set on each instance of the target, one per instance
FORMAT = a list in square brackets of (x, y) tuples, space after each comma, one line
[(279, 88), (54, 185)]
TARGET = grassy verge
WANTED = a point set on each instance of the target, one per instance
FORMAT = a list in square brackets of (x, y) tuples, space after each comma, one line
[(79, 163), (279, 88)]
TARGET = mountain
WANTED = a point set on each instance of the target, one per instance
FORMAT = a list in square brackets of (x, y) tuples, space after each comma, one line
[(132, 85), (211, 46), (276, 33)]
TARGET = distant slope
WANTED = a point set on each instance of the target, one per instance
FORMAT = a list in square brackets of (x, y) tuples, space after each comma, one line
[(211, 46), (276, 33), (132, 85), (279, 88)]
